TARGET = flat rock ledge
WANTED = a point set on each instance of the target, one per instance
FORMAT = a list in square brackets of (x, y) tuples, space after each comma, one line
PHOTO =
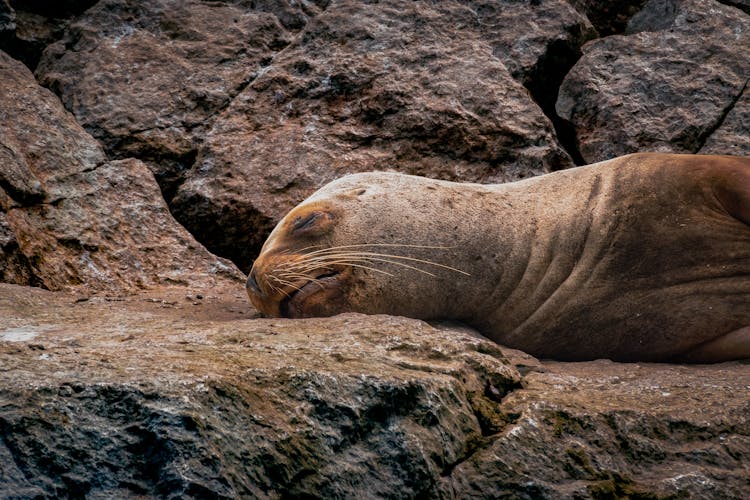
[(174, 394)]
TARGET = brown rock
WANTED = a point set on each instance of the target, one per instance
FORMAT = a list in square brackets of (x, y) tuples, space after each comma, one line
[(609, 17), (743, 5), (14, 266), (608, 430), (153, 396), (176, 399), (70, 217), (7, 21), (146, 78), (732, 137), (407, 86), (28, 26), (666, 86)]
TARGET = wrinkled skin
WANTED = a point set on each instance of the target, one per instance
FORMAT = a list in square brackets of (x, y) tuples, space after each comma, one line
[(640, 258)]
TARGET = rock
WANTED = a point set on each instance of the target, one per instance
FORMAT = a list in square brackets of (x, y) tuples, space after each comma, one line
[(743, 5), (146, 78), (609, 18), (71, 218), (151, 396), (731, 136), (608, 430), (175, 402), (374, 89), (665, 86), (7, 21), (27, 27), (14, 266)]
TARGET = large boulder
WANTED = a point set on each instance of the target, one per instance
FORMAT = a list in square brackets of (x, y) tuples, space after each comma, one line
[(666, 85), (146, 78), (732, 134), (431, 89), (69, 217), (28, 26), (167, 395)]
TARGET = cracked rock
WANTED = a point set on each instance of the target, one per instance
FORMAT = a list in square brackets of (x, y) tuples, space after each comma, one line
[(664, 86), (606, 430), (732, 137), (386, 86), (70, 218), (146, 78), (198, 402), (132, 397)]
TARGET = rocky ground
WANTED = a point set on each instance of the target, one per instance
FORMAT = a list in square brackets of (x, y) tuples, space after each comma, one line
[(147, 148), (173, 394)]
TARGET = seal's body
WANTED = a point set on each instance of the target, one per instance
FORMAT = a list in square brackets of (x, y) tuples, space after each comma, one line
[(640, 258)]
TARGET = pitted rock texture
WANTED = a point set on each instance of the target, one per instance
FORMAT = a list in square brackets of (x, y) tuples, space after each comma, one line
[(69, 217), (732, 136), (608, 430), (294, 95), (667, 85), (379, 87), (243, 109), (167, 395), (609, 18), (151, 376), (146, 78)]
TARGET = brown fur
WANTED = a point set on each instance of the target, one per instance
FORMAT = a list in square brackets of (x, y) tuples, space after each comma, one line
[(644, 257)]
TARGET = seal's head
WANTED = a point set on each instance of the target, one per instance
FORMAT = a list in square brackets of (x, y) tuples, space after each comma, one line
[(364, 243)]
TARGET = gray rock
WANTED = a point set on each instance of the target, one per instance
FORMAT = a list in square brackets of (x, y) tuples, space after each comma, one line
[(609, 17), (666, 86)]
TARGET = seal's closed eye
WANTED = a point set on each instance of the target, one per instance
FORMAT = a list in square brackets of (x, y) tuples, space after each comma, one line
[(301, 223), (312, 223)]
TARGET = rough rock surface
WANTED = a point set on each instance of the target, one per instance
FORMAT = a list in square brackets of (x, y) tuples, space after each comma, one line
[(128, 385), (732, 136), (28, 26), (69, 217), (609, 17), (378, 88), (173, 396), (667, 85), (145, 78)]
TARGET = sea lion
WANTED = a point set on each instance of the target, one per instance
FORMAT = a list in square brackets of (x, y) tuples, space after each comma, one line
[(645, 257)]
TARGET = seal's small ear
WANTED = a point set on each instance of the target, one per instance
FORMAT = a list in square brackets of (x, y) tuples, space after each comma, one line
[(314, 223)]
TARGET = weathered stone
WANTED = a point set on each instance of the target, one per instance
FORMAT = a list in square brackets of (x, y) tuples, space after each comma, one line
[(666, 86), (168, 395), (174, 399), (146, 78), (27, 27), (744, 5), (377, 88), (7, 21), (14, 266), (70, 217), (607, 430), (609, 18), (732, 137)]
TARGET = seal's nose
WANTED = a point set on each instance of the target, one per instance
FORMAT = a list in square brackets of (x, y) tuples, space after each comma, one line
[(252, 284)]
